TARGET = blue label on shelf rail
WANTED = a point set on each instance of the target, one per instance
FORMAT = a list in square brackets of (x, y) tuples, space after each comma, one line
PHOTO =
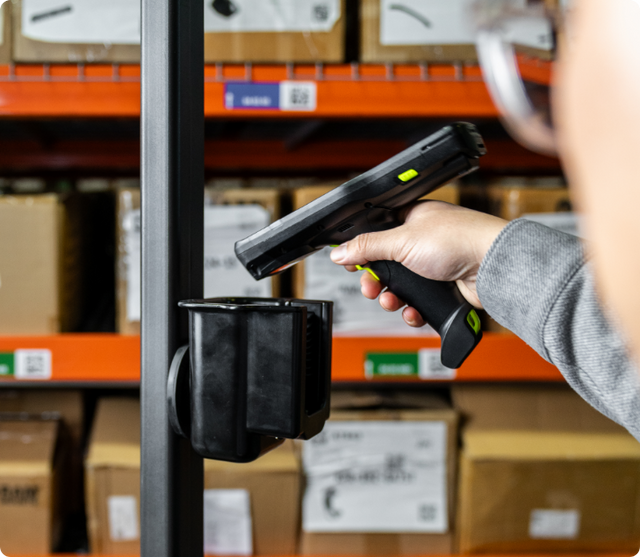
[(284, 95)]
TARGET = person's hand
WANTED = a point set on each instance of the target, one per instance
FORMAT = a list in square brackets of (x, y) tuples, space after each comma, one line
[(438, 241)]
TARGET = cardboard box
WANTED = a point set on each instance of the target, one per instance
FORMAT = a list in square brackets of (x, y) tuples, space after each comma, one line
[(514, 197), (264, 496), (541, 471), (230, 215), (85, 32), (112, 476), (381, 482), (271, 486), (29, 487), (5, 33), (528, 407), (68, 407), (258, 31), (416, 32), (318, 278), (41, 249)]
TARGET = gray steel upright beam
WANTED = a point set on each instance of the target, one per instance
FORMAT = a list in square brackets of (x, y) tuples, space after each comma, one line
[(172, 172)]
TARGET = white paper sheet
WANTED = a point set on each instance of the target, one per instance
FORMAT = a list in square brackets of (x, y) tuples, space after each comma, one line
[(376, 477), (227, 522)]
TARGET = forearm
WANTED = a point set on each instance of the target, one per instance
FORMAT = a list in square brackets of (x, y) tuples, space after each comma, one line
[(535, 282)]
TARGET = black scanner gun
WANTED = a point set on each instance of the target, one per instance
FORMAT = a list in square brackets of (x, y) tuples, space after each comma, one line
[(370, 203)]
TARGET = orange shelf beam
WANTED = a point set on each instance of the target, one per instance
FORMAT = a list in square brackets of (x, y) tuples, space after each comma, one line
[(116, 358), (82, 357), (499, 357), (342, 91)]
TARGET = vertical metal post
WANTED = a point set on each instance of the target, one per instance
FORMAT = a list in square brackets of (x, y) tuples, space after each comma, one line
[(172, 172)]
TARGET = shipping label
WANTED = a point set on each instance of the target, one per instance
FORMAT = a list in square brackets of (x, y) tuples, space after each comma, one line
[(132, 262), (123, 518), (82, 21), (376, 477), (553, 524), (227, 522)]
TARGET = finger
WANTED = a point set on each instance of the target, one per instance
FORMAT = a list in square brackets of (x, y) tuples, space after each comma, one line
[(375, 246), (412, 317), (351, 268), (390, 302), (370, 287)]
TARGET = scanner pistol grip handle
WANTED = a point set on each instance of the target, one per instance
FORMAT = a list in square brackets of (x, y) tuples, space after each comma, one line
[(440, 304)]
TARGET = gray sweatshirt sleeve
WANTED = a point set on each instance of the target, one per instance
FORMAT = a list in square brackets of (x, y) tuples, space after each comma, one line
[(535, 281)]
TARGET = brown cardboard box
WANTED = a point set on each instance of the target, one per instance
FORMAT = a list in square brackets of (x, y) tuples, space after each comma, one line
[(541, 471), (302, 196), (69, 406), (113, 487), (29, 497), (514, 197), (373, 50), (382, 543), (543, 491), (528, 407), (128, 248), (5, 33), (274, 46), (27, 49), (112, 476), (41, 249), (273, 483)]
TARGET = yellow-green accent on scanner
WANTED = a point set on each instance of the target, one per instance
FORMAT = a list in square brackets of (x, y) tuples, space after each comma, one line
[(474, 321), (408, 175), (361, 268)]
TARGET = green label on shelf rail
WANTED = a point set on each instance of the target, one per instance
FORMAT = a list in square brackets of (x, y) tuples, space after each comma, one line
[(6, 363), (391, 364), (423, 364)]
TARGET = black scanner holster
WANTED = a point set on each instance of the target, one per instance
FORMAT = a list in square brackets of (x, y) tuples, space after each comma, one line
[(256, 371)]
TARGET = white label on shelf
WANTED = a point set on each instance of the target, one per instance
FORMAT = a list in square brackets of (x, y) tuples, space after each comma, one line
[(430, 366), (132, 261), (297, 95), (428, 22), (82, 21), (551, 524), (376, 477), (274, 15), (227, 522), (352, 312), (224, 225), (123, 518), (564, 222), (32, 364)]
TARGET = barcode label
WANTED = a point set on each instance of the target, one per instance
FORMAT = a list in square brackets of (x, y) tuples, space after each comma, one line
[(430, 366), (32, 364), (297, 95)]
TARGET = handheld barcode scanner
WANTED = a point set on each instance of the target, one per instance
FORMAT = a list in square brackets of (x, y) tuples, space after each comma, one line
[(371, 203)]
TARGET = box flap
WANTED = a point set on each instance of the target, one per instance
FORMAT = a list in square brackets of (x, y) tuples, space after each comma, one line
[(115, 439), (548, 445), (282, 459), (531, 407), (27, 447)]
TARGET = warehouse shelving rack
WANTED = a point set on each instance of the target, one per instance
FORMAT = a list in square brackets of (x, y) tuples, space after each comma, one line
[(164, 94)]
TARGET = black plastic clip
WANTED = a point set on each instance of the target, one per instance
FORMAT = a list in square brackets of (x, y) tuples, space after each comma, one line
[(256, 371)]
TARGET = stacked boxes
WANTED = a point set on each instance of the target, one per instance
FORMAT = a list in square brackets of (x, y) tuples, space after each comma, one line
[(248, 508), (381, 482), (542, 471), (5, 33), (29, 487)]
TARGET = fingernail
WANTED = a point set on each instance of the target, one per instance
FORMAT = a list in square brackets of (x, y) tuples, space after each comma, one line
[(338, 254)]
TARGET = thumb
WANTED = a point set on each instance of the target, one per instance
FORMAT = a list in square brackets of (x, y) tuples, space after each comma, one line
[(374, 246)]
